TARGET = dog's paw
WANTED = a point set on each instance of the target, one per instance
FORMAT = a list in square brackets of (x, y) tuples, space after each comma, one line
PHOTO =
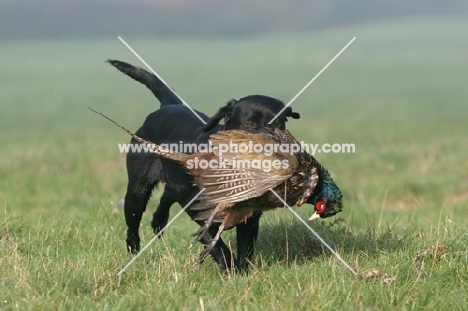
[(157, 228), (133, 244)]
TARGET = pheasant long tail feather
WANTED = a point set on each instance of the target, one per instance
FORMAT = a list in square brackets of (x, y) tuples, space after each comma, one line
[(151, 147)]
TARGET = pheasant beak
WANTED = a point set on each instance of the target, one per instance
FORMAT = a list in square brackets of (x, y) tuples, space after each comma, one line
[(315, 215)]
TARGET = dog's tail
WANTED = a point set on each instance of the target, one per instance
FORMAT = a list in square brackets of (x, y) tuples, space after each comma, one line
[(162, 92), (150, 147)]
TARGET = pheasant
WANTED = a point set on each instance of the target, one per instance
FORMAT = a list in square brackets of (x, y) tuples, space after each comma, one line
[(233, 193)]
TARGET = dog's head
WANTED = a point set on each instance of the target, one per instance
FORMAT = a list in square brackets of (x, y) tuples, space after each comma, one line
[(251, 113)]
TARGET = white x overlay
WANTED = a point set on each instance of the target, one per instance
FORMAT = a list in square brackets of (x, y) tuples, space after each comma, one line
[(196, 196)]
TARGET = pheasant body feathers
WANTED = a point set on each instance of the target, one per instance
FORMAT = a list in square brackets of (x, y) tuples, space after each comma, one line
[(237, 188)]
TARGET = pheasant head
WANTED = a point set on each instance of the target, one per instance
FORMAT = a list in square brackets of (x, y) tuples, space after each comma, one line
[(327, 197)]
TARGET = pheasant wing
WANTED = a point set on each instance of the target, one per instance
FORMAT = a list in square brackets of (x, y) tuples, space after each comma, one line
[(235, 185), (236, 146), (243, 172)]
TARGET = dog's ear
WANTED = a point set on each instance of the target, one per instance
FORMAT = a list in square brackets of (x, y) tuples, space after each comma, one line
[(290, 113), (223, 112)]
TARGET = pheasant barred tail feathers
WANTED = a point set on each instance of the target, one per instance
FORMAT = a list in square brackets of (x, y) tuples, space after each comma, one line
[(153, 148), (158, 150)]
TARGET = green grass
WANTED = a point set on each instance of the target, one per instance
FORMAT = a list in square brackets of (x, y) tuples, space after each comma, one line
[(398, 93)]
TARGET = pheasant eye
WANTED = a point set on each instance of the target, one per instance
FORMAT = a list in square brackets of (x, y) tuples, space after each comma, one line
[(320, 206)]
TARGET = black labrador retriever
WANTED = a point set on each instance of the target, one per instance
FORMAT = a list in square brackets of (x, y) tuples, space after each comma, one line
[(175, 123)]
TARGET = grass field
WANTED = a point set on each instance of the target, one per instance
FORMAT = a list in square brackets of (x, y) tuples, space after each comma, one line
[(399, 93)]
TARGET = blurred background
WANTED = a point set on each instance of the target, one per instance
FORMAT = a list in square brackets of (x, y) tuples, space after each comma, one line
[(53, 19), (398, 92)]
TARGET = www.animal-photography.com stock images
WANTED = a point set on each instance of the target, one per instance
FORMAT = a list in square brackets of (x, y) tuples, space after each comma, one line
[(215, 155)]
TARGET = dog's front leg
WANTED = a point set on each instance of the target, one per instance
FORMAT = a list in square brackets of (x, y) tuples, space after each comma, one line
[(135, 204)]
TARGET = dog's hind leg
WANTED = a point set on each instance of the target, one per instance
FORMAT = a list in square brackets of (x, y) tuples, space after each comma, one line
[(247, 233), (161, 215)]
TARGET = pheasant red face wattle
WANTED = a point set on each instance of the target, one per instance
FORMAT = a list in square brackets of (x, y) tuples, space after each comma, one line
[(320, 206)]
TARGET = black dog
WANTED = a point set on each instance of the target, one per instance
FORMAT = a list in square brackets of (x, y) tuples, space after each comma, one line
[(175, 123)]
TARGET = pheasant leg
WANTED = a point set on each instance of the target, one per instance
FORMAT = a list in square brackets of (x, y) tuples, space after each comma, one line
[(207, 248), (203, 229)]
